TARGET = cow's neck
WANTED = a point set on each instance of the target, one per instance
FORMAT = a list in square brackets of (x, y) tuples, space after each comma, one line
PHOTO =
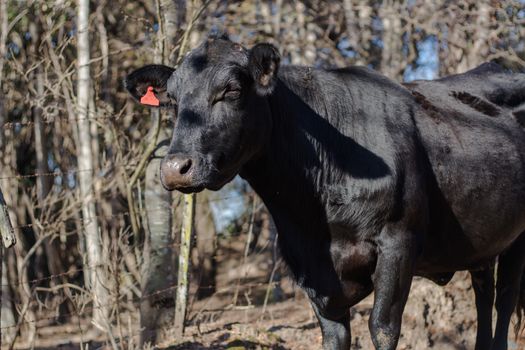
[(288, 176)]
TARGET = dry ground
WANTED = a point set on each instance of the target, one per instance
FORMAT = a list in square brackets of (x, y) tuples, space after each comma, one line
[(435, 317)]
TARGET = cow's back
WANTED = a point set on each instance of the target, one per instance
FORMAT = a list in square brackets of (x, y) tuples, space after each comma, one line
[(475, 145)]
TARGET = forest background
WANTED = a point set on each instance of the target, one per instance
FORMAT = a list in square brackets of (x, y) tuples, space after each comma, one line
[(97, 236)]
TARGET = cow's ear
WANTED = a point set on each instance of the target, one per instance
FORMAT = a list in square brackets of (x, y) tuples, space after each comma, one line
[(148, 85), (263, 64)]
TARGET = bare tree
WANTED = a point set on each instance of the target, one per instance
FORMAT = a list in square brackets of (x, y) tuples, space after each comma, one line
[(392, 63), (96, 270), (159, 266), (159, 260), (7, 318), (480, 36)]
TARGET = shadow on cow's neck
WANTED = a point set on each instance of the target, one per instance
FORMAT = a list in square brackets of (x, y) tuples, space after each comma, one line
[(302, 117), (306, 150), (304, 155)]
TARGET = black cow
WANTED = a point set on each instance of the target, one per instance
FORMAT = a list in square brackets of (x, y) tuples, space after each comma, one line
[(369, 182)]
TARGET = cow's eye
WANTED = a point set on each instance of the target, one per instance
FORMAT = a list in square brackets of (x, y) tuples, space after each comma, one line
[(232, 94)]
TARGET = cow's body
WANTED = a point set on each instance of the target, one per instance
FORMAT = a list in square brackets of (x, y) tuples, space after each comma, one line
[(329, 183), (476, 150), (339, 171), (369, 182)]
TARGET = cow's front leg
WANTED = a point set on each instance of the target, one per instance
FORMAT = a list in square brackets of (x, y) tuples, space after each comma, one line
[(392, 279), (335, 329), (483, 285)]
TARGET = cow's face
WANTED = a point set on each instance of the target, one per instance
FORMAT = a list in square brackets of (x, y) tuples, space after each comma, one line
[(222, 115)]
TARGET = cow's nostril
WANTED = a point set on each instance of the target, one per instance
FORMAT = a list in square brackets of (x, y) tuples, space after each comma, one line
[(185, 167), (176, 171)]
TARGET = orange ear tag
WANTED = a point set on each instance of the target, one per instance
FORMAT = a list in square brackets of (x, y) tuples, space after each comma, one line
[(149, 98)]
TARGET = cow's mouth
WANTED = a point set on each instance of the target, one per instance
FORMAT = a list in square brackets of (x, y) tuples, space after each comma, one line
[(202, 174), (214, 185), (217, 185), (191, 189)]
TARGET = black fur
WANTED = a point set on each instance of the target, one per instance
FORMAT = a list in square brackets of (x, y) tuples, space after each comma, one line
[(369, 182)]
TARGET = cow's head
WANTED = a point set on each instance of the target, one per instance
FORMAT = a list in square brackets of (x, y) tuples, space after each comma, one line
[(222, 115)]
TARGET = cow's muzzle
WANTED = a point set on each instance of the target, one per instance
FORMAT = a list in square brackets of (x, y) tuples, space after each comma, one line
[(176, 171)]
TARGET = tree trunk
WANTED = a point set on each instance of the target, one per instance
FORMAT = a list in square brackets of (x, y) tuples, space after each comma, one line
[(159, 260), (159, 267), (43, 183), (105, 76), (96, 271), (16, 211), (3, 41), (479, 49), (265, 14), (181, 299), (392, 63), (171, 24), (278, 6), (7, 318), (195, 34), (204, 257), (352, 24), (365, 31)]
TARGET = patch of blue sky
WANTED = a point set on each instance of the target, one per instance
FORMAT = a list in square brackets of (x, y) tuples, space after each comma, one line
[(228, 204), (344, 47), (427, 63), (71, 180)]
